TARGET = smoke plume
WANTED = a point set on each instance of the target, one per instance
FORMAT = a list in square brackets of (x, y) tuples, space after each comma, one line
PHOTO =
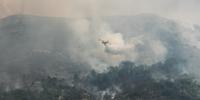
[(72, 37)]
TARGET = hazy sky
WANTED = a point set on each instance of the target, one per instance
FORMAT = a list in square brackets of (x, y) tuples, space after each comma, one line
[(185, 10)]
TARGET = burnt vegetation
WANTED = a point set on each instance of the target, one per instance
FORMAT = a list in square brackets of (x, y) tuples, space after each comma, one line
[(162, 81), (37, 71)]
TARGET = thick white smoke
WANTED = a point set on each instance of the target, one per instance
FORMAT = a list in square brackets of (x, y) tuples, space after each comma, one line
[(147, 40), (88, 27), (142, 39), (88, 47)]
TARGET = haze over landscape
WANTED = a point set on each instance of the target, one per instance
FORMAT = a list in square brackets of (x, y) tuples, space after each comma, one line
[(185, 10), (99, 50)]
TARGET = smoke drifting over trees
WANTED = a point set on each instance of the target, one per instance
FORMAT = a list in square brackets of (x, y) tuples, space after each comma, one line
[(90, 50)]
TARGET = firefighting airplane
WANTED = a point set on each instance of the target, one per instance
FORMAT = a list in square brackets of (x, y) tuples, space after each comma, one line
[(105, 43)]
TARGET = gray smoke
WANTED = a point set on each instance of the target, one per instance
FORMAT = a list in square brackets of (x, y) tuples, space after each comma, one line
[(60, 46), (143, 39)]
